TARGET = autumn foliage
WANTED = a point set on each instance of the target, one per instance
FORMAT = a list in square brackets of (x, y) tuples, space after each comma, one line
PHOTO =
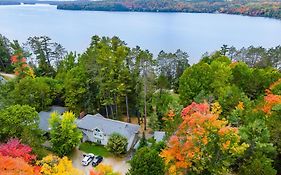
[(22, 69), (15, 159), (271, 99), (201, 140), (103, 169), (13, 148), (16, 166), (53, 165)]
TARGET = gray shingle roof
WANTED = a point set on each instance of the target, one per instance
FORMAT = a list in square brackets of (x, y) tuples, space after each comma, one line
[(159, 136), (108, 126), (2, 80), (44, 116)]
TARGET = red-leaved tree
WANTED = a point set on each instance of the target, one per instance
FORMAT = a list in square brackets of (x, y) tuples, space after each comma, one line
[(13, 148)]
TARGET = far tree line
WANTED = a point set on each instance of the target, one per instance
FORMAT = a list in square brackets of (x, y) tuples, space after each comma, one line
[(269, 9)]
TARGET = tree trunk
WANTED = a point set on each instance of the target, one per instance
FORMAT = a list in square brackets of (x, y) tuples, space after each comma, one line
[(145, 91), (112, 114), (2, 65), (116, 107), (127, 109), (106, 110), (138, 115)]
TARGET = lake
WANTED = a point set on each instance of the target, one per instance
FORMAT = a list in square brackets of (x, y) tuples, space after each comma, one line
[(193, 33)]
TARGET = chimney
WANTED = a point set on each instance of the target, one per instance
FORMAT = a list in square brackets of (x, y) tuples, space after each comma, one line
[(82, 114)]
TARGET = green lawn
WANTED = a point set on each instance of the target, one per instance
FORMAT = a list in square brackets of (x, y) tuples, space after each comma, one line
[(88, 147)]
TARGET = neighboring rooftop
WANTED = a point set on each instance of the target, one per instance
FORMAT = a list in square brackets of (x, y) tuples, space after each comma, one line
[(2, 79), (159, 136), (45, 116), (108, 126)]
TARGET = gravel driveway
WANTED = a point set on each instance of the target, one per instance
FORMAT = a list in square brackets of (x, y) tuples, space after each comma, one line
[(118, 164)]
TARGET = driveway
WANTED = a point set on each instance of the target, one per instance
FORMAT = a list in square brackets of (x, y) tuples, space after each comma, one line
[(118, 164), (8, 75)]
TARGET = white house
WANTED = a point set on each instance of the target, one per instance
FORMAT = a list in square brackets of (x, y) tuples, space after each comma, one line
[(96, 128)]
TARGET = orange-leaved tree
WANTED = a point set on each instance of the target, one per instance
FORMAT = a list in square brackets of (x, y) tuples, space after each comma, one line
[(16, 166), (271, 99), (203, 143), (22, 69)]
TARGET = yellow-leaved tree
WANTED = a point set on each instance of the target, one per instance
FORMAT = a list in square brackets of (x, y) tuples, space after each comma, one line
[(103, 169), (53, 165)]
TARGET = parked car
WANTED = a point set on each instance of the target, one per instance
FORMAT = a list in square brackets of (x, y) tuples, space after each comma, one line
[(88, 158), (97, 160)]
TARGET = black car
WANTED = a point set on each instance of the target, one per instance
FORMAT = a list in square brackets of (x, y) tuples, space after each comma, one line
[(97, 160)]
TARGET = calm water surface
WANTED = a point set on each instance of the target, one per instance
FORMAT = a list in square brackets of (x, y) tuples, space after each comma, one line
[(193, 33)]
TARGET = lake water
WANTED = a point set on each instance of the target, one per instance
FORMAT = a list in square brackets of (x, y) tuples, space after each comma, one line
[(193, 33)]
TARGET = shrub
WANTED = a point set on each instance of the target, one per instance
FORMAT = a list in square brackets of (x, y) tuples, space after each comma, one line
[(117, 144)]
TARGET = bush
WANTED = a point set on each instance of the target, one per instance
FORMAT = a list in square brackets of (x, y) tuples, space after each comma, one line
[(147, 161), (258, 165), (117, 144)]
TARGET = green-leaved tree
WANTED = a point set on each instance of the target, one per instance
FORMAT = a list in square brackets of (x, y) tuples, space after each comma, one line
[(64, 133)]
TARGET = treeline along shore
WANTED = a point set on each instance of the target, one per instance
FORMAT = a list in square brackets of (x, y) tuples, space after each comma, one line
[(262, 9), (270, 9)]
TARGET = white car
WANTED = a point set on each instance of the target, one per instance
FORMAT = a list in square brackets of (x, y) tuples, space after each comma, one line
[(88, 158)]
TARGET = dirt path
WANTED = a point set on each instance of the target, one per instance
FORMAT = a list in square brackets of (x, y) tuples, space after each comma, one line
[(118, 164)]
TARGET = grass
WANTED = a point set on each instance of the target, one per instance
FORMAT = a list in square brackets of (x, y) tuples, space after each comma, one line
[(88, 147)]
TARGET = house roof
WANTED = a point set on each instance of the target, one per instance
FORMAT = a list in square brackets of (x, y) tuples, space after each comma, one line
[(108, 126), (44, 116), (159, 136), (2, 79)]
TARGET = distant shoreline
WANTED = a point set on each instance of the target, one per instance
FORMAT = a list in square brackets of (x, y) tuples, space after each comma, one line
[(259, 9), (70, 5)]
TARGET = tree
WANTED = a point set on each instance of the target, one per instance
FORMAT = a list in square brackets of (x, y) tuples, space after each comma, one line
[(13, 148), (255, 133), (37, 92), (20, 122), (146, 161), (194, 80), (16, 166), (171, 66), (162, 102), (102, 169), (47, 54), (68, 62), (259, 165), (253, 81), (64, 133), (5, 54), (80, 90), (53, 165), (117, 144), (144, 85), (143, 141), (22, 69), (205, 79), (203, 144), (271, 107)]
